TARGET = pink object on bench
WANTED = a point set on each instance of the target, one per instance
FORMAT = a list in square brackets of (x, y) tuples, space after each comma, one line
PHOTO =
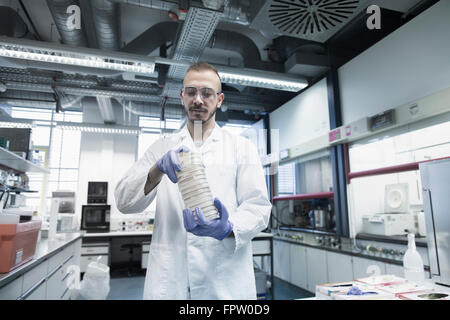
[(17, 244)]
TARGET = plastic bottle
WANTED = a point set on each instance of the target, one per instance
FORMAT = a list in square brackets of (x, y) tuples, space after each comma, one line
[(194, 186), (412, 262)]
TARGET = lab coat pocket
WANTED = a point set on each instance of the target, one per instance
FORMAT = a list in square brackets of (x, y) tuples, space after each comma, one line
[(228, 246), (156, 286)]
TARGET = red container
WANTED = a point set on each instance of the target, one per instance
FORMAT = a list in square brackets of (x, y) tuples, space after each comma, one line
[(17, 244)]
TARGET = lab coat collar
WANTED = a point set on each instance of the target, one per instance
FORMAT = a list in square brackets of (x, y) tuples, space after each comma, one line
[(215, 135)]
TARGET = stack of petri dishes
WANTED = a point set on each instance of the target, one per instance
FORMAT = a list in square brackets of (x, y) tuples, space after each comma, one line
[(194, 186)]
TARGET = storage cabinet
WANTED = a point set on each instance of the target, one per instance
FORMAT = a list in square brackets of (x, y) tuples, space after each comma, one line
[(299, 271), (12, 290), (145, 251), (281, 260), (361, 265), (317, 268), (340, 267), (37, 292), (92, 252)]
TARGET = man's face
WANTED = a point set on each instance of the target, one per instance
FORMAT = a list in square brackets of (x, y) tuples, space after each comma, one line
[(199, 103)]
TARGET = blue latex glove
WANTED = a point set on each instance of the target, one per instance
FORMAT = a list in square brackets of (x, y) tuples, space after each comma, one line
[(218, 228), (170, 163), (358, 292)]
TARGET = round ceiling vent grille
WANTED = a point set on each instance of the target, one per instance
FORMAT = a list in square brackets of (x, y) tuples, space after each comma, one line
[(309, 17)]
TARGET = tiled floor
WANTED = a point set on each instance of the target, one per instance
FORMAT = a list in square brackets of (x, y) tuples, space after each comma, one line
[(132, 288)]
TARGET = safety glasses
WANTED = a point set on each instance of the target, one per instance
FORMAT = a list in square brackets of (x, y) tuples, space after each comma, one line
[(205, 93)]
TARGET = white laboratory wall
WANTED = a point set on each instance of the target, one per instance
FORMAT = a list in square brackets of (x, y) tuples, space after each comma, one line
[(303, 118), (258, 136), (104, 157), (410, 63)]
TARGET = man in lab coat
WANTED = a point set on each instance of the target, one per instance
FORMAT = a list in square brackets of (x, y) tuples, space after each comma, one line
[(195, 258)]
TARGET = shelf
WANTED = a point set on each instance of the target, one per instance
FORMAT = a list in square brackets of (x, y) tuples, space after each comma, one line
[(15, 189), (17, 163), (306, 196)]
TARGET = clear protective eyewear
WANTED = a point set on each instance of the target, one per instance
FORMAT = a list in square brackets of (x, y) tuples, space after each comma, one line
[(205, 93)]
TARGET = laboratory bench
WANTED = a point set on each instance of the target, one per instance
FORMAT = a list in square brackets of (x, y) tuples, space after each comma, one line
[(45, 277), (109, 247), (307, 259)]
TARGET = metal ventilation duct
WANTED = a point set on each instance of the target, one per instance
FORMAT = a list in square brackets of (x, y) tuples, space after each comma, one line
[(58, 8), (315, 20), (233, 12), (194, 36), (106, 19)]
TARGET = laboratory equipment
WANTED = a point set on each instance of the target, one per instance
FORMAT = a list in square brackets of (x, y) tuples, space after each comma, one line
[(392, 224), (436, 202), (193, 185), (95, 218), (97, 192), (62, 212), (396, 198), (412, 262), (18, 243)]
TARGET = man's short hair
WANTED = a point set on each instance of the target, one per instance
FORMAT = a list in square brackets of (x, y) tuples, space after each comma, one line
[(202, 66)]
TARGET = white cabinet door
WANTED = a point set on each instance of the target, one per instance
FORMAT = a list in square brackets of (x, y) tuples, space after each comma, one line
[(395, 269), (12, 290), (317, 268), (299, 271), (144, 260), (340, 267), (360, 266), (281, 260)]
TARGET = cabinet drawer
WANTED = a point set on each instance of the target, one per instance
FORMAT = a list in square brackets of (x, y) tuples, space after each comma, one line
[(38, 293), (261, 246), (12, 290), (59, 258), (94, 250), (85, 260), (30, 278), (145, 247), (67, 294), (144, 260), (55, 285)]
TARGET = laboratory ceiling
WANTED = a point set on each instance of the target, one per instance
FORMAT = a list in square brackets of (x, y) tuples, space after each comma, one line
[(297, 39)]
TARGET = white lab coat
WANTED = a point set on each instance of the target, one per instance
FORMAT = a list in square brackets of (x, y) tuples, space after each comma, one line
[(182, 265)]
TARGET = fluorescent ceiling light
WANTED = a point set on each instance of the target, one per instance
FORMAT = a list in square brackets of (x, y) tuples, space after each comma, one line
[(82, 57), (250, 77), (96, 128), (7, 124), (261, 79)]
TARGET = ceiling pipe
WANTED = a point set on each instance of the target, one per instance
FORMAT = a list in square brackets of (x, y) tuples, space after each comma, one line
[(12, 24), (58, 9), (232, 12), (106, 16), (154, 37)]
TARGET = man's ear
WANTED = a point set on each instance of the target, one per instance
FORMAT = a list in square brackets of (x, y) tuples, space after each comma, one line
[(221, 97)]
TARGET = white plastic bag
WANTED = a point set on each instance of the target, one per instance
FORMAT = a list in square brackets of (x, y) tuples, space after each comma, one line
[(95, 283)]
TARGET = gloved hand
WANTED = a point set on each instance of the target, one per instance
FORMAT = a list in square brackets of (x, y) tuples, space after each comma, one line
[(218, 228), (170, 163)]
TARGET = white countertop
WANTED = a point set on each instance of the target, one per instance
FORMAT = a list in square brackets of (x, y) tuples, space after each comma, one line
[(117, 234), (147, 233)]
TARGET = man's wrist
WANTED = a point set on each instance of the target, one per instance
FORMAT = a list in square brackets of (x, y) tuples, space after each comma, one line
[(154, 177)]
